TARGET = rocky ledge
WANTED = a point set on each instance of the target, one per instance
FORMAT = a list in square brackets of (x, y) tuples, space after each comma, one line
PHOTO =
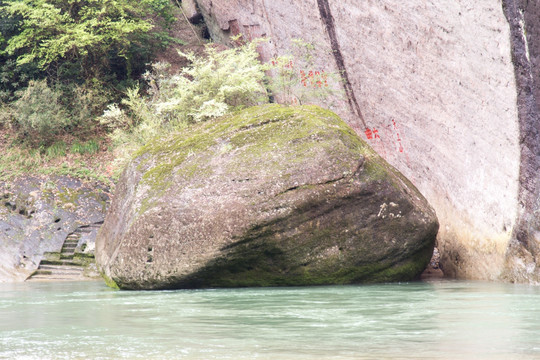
[(37, 214)]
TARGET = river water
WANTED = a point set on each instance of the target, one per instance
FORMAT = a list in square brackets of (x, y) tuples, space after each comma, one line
[(424, 320)]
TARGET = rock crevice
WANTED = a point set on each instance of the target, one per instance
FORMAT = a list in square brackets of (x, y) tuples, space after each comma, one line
[(328, 21)]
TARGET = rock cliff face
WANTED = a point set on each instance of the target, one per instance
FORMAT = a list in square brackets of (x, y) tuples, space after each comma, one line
[(269, 196), (450, 88), (36, 216)]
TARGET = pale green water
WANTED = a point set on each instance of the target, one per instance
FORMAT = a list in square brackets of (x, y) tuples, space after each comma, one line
[(439, 320)]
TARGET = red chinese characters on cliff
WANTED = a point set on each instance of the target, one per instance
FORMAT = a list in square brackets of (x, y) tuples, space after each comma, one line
[(392, 133)]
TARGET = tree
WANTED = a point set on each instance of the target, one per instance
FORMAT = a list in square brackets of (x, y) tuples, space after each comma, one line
[(88, 37)]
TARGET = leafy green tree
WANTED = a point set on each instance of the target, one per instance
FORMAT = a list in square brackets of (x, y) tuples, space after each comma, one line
[(12, 76), (85, 37), (80, 54)]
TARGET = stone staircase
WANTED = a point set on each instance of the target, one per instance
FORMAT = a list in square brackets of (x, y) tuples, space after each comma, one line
[(67, 265)]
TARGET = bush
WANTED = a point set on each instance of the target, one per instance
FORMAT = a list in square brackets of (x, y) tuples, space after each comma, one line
[(211, 86), (85, 103), (41, 113), (38, 115)]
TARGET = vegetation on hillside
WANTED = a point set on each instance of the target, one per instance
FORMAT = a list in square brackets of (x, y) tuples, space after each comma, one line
[(61, 63), (75, 83), (211, 86)]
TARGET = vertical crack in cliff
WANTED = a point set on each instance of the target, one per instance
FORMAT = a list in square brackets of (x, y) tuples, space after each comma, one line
[(328, 20), (270, 26), (522, 17)]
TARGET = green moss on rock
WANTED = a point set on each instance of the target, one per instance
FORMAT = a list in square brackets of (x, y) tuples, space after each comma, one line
[(268, 196), (250, 133)]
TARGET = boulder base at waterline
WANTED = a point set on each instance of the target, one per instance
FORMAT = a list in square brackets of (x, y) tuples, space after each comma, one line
[(269, 196)]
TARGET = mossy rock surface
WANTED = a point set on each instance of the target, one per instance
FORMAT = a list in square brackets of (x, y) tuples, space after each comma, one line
[(269, 196)]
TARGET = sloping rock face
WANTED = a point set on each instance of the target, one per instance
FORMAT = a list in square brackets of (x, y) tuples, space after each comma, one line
[(36, 216), (270, 196), (451, 88)]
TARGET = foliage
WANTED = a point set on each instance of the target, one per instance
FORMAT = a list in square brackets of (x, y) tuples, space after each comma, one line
[(38, 115), (84, 103), (81, 31), (43, 113), (89, 147), (101, 44), (14, 77), (56, 150), (211, 86), (88, 50)]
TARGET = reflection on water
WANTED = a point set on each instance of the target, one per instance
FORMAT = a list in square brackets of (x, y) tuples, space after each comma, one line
[(438, 320)]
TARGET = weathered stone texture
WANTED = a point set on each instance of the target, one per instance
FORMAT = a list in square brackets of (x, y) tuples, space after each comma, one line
[(189, 7), (270, 196), (36, 216), (436, 79)]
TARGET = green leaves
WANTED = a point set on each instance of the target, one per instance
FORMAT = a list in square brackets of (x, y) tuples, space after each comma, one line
[(107, 39), (210, 86), (38, 113), (55, 30), (214, 84)]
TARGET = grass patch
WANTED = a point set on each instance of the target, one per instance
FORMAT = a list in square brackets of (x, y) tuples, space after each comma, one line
[(89, 147), (56, 150), (91, 160)]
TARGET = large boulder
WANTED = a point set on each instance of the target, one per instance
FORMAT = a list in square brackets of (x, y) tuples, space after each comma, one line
[(269, 196)]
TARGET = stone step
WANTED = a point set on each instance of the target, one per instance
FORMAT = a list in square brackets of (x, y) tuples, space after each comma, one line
[(60, 267), (69, 246), (62, 262), (58, 273), (54, 278)]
